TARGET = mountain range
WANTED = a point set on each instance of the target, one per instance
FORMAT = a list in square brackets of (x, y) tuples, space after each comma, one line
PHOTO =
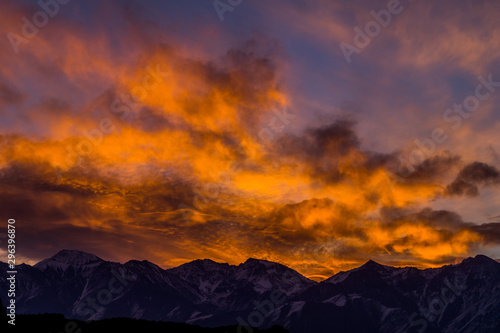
[(260, 294)]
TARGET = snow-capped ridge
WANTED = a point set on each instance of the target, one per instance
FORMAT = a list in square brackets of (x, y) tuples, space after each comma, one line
[(205, 265), (140, 263), (73, 258), (206, 293), (258, 262), (372, 264), (480, 260)]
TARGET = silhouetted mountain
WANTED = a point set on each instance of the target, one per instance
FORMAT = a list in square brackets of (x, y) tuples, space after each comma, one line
[(49, 323), (259, 293)]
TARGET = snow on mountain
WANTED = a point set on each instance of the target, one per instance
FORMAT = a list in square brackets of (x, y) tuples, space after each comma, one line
[(205, 274), (370, 298), (71, 257), (230, 288), (266, 275), (65, 259)]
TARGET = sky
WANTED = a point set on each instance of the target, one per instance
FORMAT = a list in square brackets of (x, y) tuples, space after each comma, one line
[(317, 134)]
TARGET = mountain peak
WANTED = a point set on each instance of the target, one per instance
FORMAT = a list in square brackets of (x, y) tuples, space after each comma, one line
[(480, 259), (200, 265), (206, 262), (141, 264), (483, 257), (70, 258), (255, 262), (252, 260), (75, 256), (372, 264)]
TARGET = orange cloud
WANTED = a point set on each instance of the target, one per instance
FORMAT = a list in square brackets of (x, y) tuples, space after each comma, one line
[(157, 153)]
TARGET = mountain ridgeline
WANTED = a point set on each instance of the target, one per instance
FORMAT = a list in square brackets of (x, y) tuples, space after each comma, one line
[(258, 295)]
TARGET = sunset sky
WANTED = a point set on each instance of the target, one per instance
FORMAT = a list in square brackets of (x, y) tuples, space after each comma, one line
[(155, 130)]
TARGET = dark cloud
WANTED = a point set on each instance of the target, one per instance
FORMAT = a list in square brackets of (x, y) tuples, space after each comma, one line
[(489, 231), (443, 217), (325, 149), (331, 141), (338, 139), (461, 187), (434, 167), (439, 219), (472, 176), (480, 173)]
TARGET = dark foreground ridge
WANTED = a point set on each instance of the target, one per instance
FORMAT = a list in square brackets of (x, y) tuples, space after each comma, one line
[(51, 323), (206, 295)]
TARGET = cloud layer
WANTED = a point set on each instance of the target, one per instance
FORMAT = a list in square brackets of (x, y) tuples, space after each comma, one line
[(130, 137)]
